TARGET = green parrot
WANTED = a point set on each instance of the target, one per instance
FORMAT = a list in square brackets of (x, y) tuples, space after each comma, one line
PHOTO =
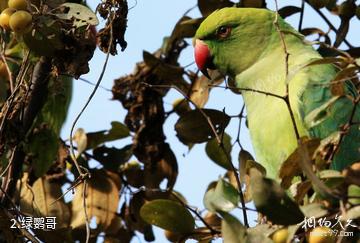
[(245, 45), (48, 124)]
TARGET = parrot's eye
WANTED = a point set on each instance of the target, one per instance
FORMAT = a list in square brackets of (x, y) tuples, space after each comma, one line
[(223, 32)]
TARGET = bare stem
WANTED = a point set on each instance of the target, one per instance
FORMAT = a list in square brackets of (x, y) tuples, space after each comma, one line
[(301, 15)]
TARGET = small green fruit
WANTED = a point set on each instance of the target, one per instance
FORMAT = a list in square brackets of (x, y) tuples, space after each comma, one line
[(18, 4), (5, 17), (20, 22)]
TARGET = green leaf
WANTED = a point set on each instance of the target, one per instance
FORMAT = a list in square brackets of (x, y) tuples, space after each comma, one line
[(272, 201), (316, 210), (332, 178), (260, 233), (220, 156), (352, 213), (194, 127), (45, 39), (80, 14), (169, 215), (232, 230), (318, 115), (224, 197), (117, 131)]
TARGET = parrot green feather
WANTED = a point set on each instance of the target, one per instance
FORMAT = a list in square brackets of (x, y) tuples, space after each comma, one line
[(50, 119), (253, 55)]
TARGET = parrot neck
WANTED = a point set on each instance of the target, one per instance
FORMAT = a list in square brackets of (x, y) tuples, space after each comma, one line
[(268, 73)]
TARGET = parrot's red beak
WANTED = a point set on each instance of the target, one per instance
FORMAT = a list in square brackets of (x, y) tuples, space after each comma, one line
[(203, 57)]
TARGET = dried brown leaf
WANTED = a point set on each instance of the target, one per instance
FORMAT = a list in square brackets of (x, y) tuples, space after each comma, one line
[(291, 166), (299, 190), (288, 11), (206, 7), (102, 199), (199, 93), (43, 199), (338, 83)]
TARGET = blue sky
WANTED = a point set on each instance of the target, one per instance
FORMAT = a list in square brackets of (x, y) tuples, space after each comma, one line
[(149, 22)]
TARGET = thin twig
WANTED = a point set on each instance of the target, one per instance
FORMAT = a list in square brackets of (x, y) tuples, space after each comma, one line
[(190, 9), (248, 90), (71, 188), (8, 171), (237, 178), (286, 62), (282, 38), (301, 15), (87, 81), (238, 183), (332, 27), (8, 165), (11, 82), (241, 116), (83, 176), (85, 212), (19, 81), (72, 152)]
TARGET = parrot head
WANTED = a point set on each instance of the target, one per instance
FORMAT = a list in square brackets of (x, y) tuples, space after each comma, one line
[(232, 39)]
